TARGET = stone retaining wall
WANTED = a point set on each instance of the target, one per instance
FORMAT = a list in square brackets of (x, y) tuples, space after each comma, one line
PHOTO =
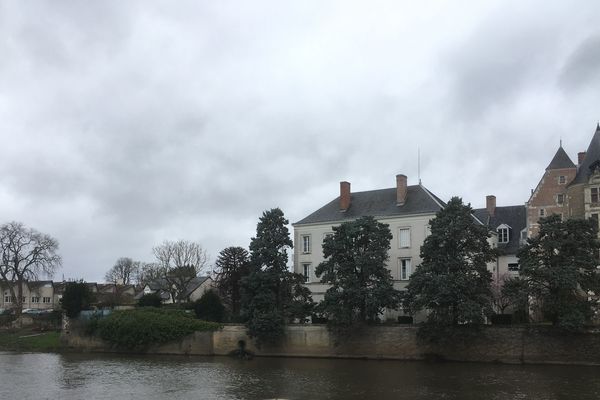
[(492, 344)]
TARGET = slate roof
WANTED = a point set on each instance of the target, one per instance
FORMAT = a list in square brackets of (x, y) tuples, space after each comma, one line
[(194, 283), (560, 160), (591, 156), (513, 216), (377, 203)]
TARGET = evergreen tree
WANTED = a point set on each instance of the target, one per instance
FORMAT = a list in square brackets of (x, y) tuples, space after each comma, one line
[(355, 267), (232, 265), (272, 295), (209, 307), (559, 268), (453, 282), (76, 297)]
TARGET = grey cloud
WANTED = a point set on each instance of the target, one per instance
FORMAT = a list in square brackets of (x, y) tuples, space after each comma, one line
[(582, 68)]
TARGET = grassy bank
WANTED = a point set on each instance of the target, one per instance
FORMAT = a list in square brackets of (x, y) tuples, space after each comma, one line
[(27, 340)]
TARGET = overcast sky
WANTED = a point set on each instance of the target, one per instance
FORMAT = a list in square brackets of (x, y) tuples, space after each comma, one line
[(126, 123)]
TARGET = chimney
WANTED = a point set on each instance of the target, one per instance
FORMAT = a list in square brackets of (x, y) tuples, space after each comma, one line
[(580, 157), (400, 189), (490, 204), (344, 195)]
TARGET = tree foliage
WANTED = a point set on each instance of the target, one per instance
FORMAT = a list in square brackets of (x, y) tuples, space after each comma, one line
[(76, 297), (559, 268), (178, 262), (123, 272), (232, 265), (138, 329), (150, 300), (272, 295), (355, 267), (209, 307), (24, 254), (453, 282)]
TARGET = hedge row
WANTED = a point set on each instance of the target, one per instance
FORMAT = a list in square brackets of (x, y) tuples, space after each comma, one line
[(135, 329)]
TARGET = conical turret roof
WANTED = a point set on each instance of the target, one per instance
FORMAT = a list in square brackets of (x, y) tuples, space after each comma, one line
[(591, 156), (560, 160)]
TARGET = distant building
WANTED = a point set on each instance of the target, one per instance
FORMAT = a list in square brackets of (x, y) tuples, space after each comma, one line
[(509, 225), (566, 189)]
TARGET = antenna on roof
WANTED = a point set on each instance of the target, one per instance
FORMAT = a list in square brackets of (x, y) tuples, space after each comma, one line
[(419, 164), (560, 142)]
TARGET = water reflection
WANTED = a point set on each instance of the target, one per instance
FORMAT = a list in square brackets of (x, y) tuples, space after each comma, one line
[(84, 376)]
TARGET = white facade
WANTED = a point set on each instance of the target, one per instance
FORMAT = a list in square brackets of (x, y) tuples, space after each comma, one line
[(408, 231)]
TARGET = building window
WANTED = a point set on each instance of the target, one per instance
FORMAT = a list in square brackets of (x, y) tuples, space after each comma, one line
[(306, 272), (513, 267), (594, 194), (560, 198), (595, 218), (405, 268), (46, 300), (8, 299), (306, 244), (562, 180), (404, 237), (503, 235), (35, 299), (542, 212)]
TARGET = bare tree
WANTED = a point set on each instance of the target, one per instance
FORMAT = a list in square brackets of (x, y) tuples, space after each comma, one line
[(25, 253), (123, 272), (148, 272), (180, 262), (500, 300)]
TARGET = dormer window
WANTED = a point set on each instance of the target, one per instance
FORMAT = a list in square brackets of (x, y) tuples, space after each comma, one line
[(594, 195), (503, 233)]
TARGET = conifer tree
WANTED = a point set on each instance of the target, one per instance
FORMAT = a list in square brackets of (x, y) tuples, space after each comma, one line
[(453, 282), (560, 270), (355, 267)]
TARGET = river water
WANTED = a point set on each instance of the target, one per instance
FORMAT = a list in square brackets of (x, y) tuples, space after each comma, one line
[(100, 376)]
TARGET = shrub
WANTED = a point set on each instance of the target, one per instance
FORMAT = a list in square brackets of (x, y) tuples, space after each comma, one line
[(137, 329), (150, 300), (209, 307), (501, 319), (405, 319)]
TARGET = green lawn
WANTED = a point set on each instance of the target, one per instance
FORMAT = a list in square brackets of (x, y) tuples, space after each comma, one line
[(25, 340)]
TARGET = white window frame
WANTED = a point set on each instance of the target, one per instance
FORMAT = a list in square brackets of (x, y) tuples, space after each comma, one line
[(562, 180), (503, 234), (8, 299), (306, 272), (408, 263), (35, 299), (46, 300), (306, 244), (597, 195), (560, 196), (400, 243), (542, 212)]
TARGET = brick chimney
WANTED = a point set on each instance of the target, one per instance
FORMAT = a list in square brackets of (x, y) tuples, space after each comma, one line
[(580, 157), (490, 204), (400, 189), (344, 195)]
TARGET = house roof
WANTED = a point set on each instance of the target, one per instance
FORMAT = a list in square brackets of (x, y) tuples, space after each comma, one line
[(377, 203), (194, 283), (591, 156), (560, 160), (513, 216)]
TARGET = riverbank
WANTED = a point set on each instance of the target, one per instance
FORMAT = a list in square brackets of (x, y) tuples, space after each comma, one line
[(508, 345), (27, 340)]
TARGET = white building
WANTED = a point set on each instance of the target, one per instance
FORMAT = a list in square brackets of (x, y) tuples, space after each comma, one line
[(406, 209)]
